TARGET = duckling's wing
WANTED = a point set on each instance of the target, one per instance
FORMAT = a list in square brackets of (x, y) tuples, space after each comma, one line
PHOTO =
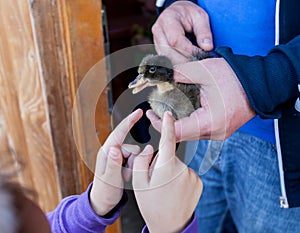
[(192, 91)]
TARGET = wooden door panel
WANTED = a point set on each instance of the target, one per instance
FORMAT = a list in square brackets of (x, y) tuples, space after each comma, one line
[(47, 47)]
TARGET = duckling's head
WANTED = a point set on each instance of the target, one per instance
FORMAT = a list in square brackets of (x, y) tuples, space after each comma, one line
[(154, 70)]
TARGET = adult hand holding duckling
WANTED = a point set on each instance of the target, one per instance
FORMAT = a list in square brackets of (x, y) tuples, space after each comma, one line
[(224, 104)]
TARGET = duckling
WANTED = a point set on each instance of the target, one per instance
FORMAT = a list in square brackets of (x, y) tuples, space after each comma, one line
[(179, 98)]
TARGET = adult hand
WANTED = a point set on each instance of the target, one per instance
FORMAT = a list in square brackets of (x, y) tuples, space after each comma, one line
[(108, 182), (224, 104), (167, 191), (169, 31)]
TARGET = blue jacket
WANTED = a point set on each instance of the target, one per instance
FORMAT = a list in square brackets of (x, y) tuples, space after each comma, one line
[(272, 84)]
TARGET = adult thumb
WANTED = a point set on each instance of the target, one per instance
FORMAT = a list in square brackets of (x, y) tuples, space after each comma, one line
[(191, 72)]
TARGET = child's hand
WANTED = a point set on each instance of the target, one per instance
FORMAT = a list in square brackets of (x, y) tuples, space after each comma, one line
[(167, 192), (108, 183)]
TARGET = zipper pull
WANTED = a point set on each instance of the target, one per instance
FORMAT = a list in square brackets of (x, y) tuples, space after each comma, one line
[(283, 202)]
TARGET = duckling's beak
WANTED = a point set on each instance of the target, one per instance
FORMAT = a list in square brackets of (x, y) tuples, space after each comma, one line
[(138, 84)]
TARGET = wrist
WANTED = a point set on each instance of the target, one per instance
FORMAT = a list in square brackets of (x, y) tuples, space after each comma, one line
[(170, 226), (106, 210), (98, 206)]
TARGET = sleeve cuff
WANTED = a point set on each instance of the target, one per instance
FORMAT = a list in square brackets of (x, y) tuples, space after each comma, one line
[(191, 228), (112, 215), (75, 214)]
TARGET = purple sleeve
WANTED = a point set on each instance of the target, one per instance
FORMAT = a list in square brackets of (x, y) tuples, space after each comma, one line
[(75, 214), (191, 228)]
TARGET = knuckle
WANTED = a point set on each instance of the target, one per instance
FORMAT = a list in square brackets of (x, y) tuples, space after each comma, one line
[(204, 14), (173, 41), (155, 28), (201, 15)]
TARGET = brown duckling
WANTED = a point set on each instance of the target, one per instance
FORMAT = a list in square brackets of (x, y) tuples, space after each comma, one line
[(179, 98)]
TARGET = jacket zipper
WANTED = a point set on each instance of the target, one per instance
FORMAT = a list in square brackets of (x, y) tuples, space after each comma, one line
[(283, 198)]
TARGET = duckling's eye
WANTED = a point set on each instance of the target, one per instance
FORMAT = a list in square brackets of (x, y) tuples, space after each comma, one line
[(152, 69)]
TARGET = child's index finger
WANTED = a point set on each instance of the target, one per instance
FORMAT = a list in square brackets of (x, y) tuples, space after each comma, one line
[(118, 135), (167, 144)]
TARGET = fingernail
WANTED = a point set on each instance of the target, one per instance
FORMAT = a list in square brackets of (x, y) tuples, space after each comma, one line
[(113, 153), (147, 150), (136, 111), (169, 113), (207, 41)]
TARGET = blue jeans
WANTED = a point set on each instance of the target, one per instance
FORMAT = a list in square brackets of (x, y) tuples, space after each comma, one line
[(244, 181)]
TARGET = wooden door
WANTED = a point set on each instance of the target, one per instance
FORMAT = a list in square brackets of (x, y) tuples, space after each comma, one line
[(47, 47)]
